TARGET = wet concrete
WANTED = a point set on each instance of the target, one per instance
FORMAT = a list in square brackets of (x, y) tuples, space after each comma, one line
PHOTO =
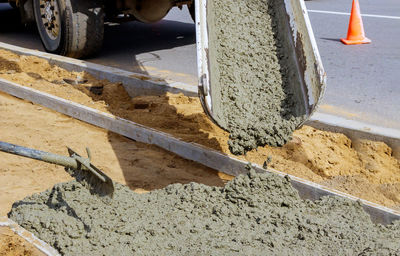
[(252, 73), (253, 214)]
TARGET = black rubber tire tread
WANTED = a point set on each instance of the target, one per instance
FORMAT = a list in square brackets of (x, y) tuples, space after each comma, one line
[(192, 12), (13, 5), (82, 28)]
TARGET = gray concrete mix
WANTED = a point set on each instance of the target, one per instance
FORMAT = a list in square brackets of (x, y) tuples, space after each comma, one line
[(252, 73), (254, 214)]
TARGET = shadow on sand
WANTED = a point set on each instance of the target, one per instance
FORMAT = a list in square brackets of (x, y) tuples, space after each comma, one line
[(144, 166)]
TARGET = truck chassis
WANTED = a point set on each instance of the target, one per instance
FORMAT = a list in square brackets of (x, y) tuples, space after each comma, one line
[(75, 28)]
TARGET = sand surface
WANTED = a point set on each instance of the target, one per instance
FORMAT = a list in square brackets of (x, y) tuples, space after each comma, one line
[(142, 167), (253, 79), (254, 214), (365, 169), (13, 245)]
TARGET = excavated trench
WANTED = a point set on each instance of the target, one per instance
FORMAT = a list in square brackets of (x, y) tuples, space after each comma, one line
[(366, 169), (253, 214)]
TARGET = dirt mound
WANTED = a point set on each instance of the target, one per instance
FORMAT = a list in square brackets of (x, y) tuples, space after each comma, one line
[(253, 214)]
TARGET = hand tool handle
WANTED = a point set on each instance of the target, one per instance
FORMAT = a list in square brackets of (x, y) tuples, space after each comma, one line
[(38, 155)]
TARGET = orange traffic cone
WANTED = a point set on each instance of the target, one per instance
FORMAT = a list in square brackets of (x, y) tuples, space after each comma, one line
[(355, 34)]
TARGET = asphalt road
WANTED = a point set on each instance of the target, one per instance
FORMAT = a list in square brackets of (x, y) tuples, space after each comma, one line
[(363, 80), (166, 49)]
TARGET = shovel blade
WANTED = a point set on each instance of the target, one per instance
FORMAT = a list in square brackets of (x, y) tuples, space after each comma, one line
[(92, 178)]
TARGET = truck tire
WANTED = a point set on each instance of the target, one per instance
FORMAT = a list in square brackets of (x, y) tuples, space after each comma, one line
[(13, 5), (72, 28), (192, 11)]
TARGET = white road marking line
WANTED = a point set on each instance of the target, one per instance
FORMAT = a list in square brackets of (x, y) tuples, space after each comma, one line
[(364, 15)]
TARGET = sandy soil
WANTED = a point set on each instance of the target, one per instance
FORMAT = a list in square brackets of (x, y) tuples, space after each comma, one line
[(13, 245), (142, 167), (365, 169)]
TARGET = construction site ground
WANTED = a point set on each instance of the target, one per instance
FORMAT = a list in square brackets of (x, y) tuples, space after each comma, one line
[(362, 168), (365, 169), (142, 167)]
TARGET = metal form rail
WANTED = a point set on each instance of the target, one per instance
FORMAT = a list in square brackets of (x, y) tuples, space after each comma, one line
[(28, 236), (192, 151), (139, 84)]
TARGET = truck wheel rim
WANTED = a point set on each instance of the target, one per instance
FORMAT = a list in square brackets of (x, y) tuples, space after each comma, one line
[(50, 15)]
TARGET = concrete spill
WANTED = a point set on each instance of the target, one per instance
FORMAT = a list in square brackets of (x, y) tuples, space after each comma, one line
[(252, 73), (253, 214)]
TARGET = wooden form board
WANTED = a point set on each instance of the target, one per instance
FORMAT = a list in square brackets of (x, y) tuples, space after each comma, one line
[(191, 151)]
